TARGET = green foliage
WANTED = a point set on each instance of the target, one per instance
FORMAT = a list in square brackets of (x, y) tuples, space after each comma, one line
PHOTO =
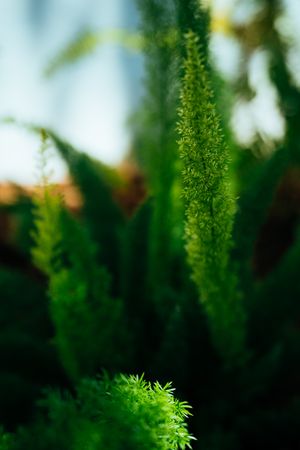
[(27, 361), (253, 207), (114, 293), (5, 440), (209, 207), (78, 289), (191, 16), (124, 412), (103, 216), (135, 264), (269, 295), (47, 234), (155, 135)]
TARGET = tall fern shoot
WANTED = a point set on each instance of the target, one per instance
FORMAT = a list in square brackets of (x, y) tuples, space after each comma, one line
[(210, 207), (90, 332)]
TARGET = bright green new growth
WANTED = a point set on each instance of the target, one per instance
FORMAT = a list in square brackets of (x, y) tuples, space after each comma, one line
[(149, 415), (209, 207), (125, 412), (90, 330), (47, 234)]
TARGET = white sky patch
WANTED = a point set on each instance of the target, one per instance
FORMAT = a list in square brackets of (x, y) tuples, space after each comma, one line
[(20, 148), (226, 53), (242, 123), (95, 118), (265, 110), (266, 116), (261, 115), (222, 6), (288, 26), (87, 103)]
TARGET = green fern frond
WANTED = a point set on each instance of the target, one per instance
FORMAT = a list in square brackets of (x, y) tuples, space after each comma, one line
[(113, 414), (84, 315), (210, 207), (48, 208)]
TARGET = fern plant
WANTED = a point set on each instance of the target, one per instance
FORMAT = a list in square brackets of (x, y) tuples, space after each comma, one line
[(96, 182), (155, 135), (123, 412), (210, 207), (119, 288), (80, 304)]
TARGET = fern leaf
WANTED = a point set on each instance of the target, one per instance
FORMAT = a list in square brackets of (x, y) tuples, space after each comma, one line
[(84, 315), (123, 412), (210, 207)]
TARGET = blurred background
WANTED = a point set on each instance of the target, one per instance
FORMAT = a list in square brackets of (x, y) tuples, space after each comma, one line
[(105, 78), (90, 101)]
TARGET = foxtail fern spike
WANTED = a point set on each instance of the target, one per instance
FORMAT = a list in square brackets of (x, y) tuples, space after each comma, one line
[(47, 236), (210, 207), (87, 321)]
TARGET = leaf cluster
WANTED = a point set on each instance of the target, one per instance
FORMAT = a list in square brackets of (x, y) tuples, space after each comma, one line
[(123, 412)]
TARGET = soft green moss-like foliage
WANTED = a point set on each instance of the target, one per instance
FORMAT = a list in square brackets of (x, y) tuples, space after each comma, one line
[(210, 206), (90, 328), (112, 414), (47, 233)]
